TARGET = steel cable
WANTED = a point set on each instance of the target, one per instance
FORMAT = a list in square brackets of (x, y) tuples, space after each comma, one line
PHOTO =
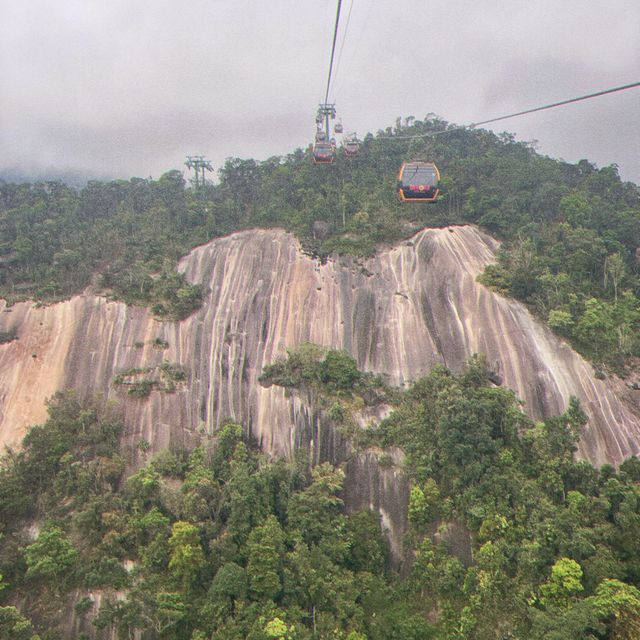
[(514, 115), (333, 50)]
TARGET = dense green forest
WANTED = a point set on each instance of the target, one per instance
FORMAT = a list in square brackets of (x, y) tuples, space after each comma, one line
[(509, 536), (571, 231)]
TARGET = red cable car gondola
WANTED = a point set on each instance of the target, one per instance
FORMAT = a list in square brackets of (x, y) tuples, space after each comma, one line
[(351, 148), (418, 181), (323, 153)]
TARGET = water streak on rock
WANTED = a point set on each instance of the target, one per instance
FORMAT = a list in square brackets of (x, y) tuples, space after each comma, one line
[(399, 313)]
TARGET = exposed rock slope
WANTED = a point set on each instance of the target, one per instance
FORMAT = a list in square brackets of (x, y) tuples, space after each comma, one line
[(399, 313)]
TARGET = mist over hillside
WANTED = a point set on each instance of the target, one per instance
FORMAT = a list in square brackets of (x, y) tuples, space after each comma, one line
[(77, 179)]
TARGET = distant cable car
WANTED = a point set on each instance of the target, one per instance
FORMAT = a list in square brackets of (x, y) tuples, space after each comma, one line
[(319, 119), (351, 148), (321, 136), (418, 181), (338, 128), (323, 153)]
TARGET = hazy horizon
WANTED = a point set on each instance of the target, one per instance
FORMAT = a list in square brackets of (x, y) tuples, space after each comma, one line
[(116, 90)]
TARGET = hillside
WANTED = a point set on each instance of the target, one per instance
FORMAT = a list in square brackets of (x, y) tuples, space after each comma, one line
[(410, 308), (505, 530), (570, 232), (399, 313), (338, 425)]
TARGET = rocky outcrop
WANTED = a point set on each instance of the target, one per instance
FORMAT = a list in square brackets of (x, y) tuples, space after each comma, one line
[(399, 313)]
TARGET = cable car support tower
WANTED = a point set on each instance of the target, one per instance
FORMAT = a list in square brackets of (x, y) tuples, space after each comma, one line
[(326, 111), (199, 164)]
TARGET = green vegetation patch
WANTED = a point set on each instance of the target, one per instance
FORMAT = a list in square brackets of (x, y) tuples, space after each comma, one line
[(140, 382), (334, 379), (226, 543), (506, 529), (159, 343), (8, 336)]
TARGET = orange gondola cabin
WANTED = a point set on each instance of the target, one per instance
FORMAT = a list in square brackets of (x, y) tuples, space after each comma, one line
[(418, 181)]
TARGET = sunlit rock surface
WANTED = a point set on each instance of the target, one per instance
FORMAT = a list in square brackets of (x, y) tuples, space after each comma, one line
[(410, 307)]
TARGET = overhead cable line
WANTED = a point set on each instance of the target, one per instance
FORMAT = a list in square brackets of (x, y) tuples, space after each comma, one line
[(344, 38), (333, 50), (514, 115), (558, 104), (357, 39)]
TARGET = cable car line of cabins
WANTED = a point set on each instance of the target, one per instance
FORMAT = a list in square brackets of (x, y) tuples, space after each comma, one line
[(417, 179)]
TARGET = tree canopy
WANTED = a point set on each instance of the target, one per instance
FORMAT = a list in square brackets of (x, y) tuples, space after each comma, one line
[(507, 533), (571, 231)]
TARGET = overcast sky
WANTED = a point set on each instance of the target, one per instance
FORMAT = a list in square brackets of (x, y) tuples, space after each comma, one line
[(121, 88)]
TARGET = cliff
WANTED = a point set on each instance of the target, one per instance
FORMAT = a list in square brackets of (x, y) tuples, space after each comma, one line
[(399, 313)]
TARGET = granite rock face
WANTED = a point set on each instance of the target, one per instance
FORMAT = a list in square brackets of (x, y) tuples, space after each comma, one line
[(399, 313)]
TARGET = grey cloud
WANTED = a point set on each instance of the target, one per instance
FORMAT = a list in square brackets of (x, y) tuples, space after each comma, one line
[(129, 88)]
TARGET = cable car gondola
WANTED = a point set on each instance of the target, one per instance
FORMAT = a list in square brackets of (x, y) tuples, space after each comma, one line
[(351, 148), (338, 128), (321, 136), (418, 181), (323, 153)]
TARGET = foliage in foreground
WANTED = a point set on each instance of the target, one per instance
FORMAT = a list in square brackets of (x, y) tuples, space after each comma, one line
[(551, 538), (509, 536), (225, 543)]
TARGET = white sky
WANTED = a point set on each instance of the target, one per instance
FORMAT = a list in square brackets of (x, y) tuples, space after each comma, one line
[(130, 87)]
